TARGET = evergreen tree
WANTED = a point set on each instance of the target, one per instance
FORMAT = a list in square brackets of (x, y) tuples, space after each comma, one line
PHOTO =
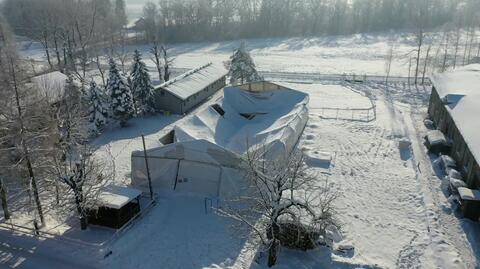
[(98, 108), (120, 95), (141, 85), (242, 67)]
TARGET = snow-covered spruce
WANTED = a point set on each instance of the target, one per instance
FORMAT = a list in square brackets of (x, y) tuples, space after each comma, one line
[(141, 85), (98, 108), (120, 95), (242, 67)]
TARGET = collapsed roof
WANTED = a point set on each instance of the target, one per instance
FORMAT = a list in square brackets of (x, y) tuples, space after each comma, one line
[(267, 113), (204, 150)]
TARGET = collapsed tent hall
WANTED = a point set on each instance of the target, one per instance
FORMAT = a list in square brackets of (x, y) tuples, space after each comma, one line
[(202, 153)]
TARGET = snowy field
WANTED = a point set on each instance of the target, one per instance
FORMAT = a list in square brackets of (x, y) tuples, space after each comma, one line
[(359, 54)]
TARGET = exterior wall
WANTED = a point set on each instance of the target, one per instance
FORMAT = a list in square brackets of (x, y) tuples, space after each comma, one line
[(460, 152), (166, 101), (200, 96)]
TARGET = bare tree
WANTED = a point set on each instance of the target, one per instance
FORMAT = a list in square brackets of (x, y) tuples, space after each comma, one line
[(458, 35), (155, 51), (84, 177), (446, 38), (389, 59), (27, 128), (425, 64), (280, 191), (167, 62)]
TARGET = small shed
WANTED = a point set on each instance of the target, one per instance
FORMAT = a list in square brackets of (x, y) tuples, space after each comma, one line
[(117, 206), (470, 203), (186, 91)]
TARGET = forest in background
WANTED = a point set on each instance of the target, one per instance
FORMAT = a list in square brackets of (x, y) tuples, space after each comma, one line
[(211, 20)]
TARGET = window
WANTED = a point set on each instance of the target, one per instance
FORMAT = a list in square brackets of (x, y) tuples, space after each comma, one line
[(248, 116), (219, 109)]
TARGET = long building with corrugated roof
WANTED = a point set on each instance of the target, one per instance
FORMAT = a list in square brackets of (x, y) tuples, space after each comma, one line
[(186, 91), (455, 107)]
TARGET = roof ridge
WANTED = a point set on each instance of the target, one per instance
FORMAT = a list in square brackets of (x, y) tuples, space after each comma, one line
[(184, 75)]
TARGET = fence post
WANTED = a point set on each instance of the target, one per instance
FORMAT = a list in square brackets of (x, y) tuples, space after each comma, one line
[(148, 169)]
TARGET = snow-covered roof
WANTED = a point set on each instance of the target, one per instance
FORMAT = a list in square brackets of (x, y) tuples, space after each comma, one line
[(116, 197), (51, 85), (468, 194), (194, 80), (461, 91), (268, 113)]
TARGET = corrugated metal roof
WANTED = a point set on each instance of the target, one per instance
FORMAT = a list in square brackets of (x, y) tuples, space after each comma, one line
[(194, 81)]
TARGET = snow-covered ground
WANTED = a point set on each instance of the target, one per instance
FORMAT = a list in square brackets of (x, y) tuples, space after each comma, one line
[(392, 206), (359, 54)]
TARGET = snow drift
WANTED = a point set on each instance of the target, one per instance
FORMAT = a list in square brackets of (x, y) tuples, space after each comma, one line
[(203, 152)]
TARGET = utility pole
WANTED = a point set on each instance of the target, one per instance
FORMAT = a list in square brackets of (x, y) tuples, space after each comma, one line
[(148, 169), (3, 194)]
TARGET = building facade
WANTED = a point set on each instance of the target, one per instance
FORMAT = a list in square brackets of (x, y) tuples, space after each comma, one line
[(454, 103), (187, 91)]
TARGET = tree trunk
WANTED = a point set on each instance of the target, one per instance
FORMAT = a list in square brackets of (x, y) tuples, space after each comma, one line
[(457, 44), (273, 252), (425, 65), (24, 146), (419, 50), (57, 52), (80, 211), (409, 70), (3, 194)]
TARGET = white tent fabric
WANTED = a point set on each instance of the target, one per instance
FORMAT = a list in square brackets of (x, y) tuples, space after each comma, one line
[(279, 117), (208, 147), (191, 166)]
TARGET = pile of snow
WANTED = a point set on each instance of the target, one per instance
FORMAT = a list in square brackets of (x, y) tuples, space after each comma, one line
[(454, 184), (318, 158), (445, 163), (435, 138), (455, 174)]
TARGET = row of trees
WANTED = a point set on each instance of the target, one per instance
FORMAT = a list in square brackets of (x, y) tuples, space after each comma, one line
[(43, 145), (184, 20), (74, 33)]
